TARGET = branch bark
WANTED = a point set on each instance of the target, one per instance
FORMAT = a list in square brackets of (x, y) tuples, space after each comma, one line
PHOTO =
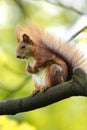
[(75, 87)]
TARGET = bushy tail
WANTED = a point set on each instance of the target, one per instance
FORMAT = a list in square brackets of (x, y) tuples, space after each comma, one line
[(68, 51)]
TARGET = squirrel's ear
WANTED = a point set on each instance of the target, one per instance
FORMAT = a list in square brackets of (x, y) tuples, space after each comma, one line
[(26, 38)]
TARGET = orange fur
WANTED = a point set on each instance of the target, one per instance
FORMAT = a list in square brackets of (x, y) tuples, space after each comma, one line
[(67, 51), (55, 58)]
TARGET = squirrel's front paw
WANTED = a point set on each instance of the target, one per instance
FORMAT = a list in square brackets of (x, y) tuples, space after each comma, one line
[(31, 70)]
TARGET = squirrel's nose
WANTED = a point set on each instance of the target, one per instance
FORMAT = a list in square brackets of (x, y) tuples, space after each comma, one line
[(18, 56)]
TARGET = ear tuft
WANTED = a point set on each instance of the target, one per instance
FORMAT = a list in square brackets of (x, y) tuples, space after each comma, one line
[(18, 32), (26, 38)]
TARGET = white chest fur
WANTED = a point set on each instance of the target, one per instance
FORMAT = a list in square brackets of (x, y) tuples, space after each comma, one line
[(39, 78), (31, 61)]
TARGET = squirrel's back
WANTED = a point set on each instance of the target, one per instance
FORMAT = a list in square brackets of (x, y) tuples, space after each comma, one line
[(67, 51)]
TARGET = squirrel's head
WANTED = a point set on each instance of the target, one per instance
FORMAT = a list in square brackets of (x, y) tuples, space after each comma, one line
[(24, 48)]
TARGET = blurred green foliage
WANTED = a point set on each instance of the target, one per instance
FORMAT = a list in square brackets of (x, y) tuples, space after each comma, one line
[(70, 114)]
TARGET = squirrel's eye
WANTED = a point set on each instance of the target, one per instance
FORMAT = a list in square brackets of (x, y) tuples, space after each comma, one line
[(23, 46)]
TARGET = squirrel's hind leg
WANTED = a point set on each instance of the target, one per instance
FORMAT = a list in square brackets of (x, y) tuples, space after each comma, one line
[(54, 75)]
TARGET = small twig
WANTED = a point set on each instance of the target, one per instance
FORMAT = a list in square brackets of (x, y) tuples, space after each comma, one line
[(2, 87), (12, 92), (13, 71), (21, 6), (76, 34), (67, 7)]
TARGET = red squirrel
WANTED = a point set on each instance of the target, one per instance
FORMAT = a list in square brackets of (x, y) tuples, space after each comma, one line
[(49, 60)]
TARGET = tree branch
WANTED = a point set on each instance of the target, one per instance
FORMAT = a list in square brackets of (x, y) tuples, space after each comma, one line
[(76, 34), (75, 87)]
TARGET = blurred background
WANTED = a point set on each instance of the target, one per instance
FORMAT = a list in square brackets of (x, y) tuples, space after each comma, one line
[(63, 18)]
